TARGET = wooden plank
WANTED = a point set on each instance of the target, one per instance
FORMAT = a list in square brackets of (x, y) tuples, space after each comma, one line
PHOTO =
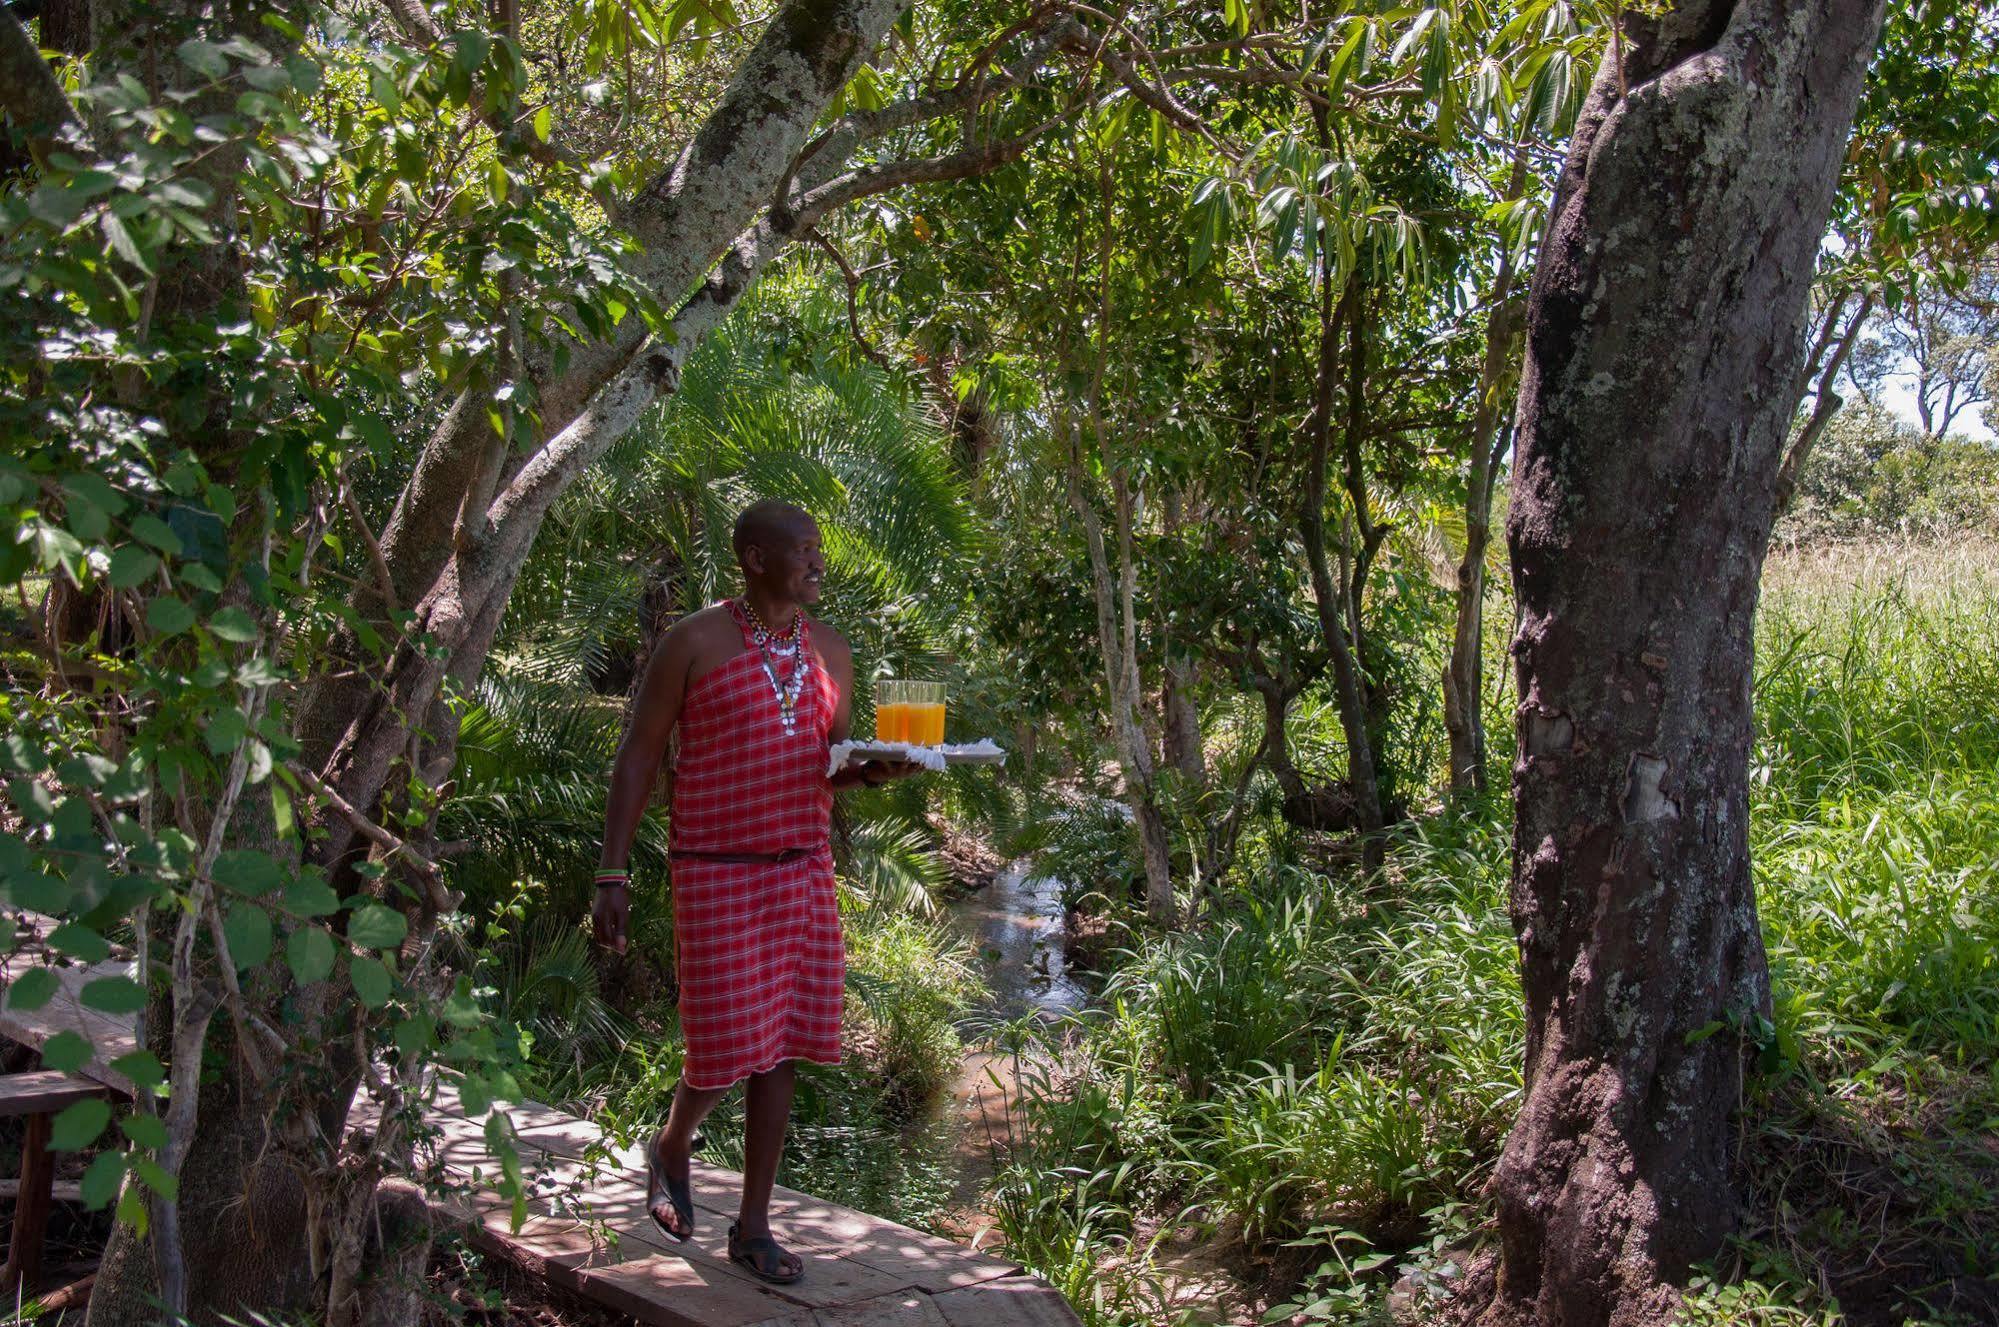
[(830, 1278), (666, 1291), (909, 1309), (927, 1268), (45, 1091), (110, 1036), (1022, 1301)]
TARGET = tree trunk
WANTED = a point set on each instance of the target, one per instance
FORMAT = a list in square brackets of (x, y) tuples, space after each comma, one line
[(1349, 686), (1118, 644), (1182, 717), (1665, 330), (1464, 674)]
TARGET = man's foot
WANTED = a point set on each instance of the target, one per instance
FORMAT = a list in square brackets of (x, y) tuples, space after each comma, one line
[(763, 1257), (669, 1196)]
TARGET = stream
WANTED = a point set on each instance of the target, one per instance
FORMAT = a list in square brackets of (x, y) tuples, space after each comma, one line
[(1017, 928), (1016, 925)]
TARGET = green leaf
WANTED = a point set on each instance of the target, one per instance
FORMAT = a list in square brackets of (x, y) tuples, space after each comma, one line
[(310, 951), (101, 1180), (65, 1052), (168, 617), (416, 1035), (469, 49), (142, 1067), (473, 1098), (247, 928), (78, 1127), (20, 756), (145, 1130), (371, 981), (310, 896), (133, 1211), (32, 989), (150, 529), (226, 730), (80, 942), (544, 124), (131, 565), (234, 625), (375, 927), (114, 995), (156, 1178), (247, 871), (120, 241), (204, 58)]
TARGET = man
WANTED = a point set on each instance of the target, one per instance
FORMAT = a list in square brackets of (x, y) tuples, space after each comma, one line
[(759, 691)]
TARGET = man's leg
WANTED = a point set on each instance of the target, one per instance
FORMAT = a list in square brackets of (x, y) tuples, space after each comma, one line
[(674, 1145), (766, 1115)]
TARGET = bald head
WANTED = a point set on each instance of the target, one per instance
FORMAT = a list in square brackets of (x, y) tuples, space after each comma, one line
[(777, 545), (769, 523)]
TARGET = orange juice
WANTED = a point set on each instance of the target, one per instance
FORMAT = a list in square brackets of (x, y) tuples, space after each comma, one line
[(892, 723), (926, 724)]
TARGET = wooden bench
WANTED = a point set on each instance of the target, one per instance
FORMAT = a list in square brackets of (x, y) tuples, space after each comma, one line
[(38, 1096)]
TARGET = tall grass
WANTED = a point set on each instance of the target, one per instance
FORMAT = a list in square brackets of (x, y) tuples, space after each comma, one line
[(1321, 1068)]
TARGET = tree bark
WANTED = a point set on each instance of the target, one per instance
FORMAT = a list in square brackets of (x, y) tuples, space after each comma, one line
[(1117, 643), (1330, 594), (1464, 674), (1665, 330)]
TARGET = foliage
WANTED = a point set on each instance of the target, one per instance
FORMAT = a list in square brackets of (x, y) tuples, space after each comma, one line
[(1872, 476), (1338, 1067)]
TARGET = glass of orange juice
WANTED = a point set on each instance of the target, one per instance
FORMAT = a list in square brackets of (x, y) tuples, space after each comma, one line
[(926, 713), (891, 711)]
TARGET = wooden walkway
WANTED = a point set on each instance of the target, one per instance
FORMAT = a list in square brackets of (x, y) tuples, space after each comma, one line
[(587, 1230)]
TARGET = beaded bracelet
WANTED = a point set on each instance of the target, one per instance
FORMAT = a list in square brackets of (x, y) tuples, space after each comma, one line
[(606, 879)]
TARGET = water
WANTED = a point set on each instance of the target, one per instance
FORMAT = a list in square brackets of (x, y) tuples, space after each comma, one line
[(1017, 926)]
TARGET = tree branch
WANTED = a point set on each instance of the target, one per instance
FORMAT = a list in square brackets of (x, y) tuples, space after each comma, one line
[(1824, 408)]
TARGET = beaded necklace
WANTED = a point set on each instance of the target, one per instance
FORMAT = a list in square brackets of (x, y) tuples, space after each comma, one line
[(773, 647)]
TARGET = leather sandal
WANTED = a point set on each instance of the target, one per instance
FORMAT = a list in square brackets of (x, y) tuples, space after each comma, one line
[(677, 1193), (761, 1256)]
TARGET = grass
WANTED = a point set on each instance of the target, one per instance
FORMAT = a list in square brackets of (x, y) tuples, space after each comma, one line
[(1320, 1078)]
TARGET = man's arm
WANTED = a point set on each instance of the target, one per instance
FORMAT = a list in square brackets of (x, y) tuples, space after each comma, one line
[(636, 769), (839, 657)]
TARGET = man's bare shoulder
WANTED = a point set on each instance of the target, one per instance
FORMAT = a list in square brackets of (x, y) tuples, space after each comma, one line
[(702, 640)]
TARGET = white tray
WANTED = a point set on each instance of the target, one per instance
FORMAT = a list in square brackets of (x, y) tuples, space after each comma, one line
[(977, 753)]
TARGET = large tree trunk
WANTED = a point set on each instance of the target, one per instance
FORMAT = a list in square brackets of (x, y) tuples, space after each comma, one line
[(1664, 338)]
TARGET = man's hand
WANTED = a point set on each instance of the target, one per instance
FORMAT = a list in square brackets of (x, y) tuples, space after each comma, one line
[(886, 771), (609, 914)]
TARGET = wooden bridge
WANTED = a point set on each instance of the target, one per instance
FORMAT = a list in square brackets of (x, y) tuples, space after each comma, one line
[(587, 1229)]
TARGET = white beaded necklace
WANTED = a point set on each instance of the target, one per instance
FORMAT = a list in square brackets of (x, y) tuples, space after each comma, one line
[(772, 647)]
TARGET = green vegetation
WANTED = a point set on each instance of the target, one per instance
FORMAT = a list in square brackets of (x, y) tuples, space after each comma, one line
[(378, 382), (1321, 1074)]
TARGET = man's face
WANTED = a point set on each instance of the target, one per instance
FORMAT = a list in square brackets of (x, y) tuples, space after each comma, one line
[(793, 565)]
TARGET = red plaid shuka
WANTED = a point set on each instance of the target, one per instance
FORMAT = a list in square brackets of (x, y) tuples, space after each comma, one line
[(761, 960)]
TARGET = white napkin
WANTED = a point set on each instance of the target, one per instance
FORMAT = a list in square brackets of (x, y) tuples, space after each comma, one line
[(930, 757)]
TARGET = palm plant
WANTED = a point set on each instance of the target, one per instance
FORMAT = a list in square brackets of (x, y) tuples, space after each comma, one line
[(770, 407)]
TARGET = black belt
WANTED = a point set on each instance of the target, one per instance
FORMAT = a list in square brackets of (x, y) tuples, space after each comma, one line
[(745, 858)]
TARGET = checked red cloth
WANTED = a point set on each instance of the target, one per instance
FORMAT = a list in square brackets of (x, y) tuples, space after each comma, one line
[(761, 960)]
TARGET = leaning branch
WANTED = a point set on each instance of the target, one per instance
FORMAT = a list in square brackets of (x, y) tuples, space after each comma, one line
[(829, 150), (29, 92), (428, 871), (1824, 408), (655, 371)]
